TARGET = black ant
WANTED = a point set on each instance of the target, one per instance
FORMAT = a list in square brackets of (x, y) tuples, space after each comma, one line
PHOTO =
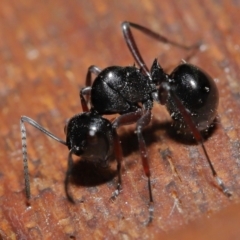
[(189, 94)]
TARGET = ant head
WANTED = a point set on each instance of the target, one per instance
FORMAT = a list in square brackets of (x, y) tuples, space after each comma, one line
[(90, 136)]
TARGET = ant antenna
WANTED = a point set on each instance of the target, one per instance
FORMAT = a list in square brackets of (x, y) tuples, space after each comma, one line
[(24, 147)]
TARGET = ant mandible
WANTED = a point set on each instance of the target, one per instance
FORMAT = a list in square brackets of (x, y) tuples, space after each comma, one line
[(189, 94)]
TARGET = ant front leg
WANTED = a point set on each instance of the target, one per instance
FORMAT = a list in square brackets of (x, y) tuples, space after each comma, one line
[(129, 39), (141, 123), (68, 173), (87, 90), (124, 119), (143, 118)]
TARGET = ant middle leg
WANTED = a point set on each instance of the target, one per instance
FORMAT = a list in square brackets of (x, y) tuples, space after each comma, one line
[(118, 155), (141, 123), (91, 70)]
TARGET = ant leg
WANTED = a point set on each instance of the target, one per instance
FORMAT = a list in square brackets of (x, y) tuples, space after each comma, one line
[(118, 155), (124, 119), (141, 123), (142, 120), (87, 90), (24, 147), (129, 39), (127, 118), (197, 135), (68, 173)]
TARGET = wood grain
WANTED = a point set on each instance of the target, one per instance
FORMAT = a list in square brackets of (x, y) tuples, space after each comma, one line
[(45, 50)]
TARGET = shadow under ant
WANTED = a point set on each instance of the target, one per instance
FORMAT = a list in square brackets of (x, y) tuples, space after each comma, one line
[(88, 173), (186, 137)]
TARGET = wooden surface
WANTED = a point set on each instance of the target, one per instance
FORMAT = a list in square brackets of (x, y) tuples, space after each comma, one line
[(45, 50)]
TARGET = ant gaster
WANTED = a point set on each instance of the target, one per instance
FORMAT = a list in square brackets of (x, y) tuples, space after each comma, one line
[(189, 94)]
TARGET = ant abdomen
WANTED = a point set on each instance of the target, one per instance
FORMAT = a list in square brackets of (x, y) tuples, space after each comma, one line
[(90, 136), (197, 92)]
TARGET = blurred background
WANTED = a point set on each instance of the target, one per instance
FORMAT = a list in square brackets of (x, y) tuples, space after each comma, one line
[(45, 50)]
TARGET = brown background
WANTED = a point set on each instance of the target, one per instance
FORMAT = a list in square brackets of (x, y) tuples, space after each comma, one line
[(45, 50)]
